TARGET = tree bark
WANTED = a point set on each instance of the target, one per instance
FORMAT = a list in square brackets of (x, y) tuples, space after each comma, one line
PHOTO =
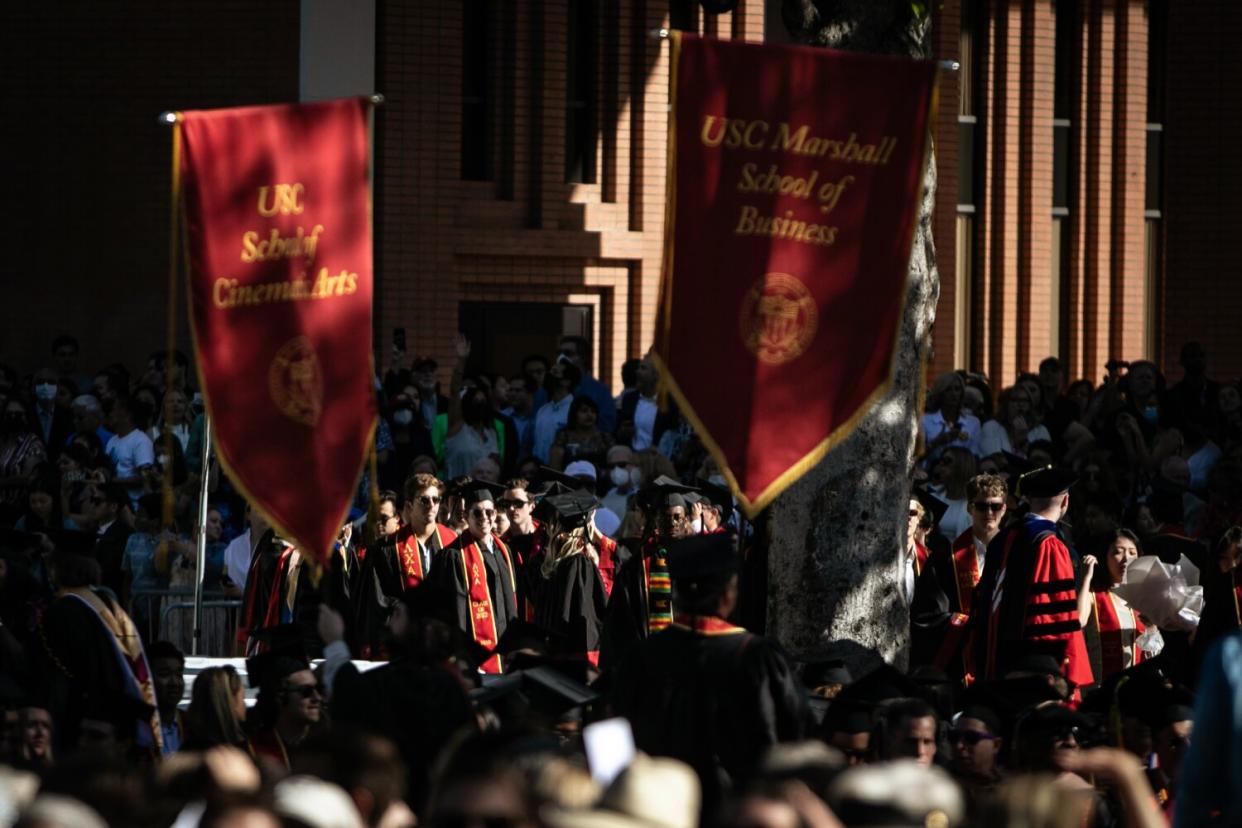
[(837, 536)]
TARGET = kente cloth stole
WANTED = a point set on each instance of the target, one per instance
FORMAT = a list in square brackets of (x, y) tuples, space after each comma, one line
[(482, 611), (659, 591)]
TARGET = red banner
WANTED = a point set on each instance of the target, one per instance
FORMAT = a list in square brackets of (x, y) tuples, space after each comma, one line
[(278, 216), (794, 183)]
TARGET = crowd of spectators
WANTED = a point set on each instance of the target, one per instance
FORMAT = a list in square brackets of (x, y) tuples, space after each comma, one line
[(630, 581)]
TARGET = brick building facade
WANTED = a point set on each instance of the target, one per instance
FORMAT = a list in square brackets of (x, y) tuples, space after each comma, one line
[(1086, 190)]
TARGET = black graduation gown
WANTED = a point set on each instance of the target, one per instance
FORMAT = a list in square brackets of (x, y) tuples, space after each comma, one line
[(714, 700), (260, 579), (78, 662), (625, 622), (376, 585), (418, 707), (569, 605), (447, 575)]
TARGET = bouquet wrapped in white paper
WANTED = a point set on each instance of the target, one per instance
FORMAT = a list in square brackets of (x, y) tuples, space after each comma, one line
[(1168, 596)]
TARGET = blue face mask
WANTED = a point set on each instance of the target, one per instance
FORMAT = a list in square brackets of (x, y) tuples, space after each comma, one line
[(1151, 413)]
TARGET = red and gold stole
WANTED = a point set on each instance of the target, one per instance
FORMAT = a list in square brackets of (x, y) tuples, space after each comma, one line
[(482, 611), (705, 624), (410, 557), (921, 554), (966, 572), (1113, 634)]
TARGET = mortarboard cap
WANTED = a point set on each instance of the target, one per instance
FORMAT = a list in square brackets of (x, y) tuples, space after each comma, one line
[(1046, 482), (702, 557), (551, 482), (285, 655), (931, 504), (543, 690), (1012, 696), (718, 496), (478, 491), (1016, 465), (882, 684), (664, 492), (570, 510)]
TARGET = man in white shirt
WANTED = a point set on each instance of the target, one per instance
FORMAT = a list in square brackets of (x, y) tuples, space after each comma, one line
[(130, 450), (238, 553)]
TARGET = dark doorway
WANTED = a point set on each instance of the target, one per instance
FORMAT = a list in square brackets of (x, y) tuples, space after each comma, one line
[(502, 334)]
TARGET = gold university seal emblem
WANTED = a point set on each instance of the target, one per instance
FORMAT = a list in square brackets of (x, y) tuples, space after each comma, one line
[(295, 381), (778, 319)]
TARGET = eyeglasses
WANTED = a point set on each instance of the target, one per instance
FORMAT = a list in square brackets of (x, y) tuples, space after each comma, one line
[(429, 501), (481, 513), (514, 504), (386, 518), (914, 513), (970, 738), (986, 506), (305, 691)]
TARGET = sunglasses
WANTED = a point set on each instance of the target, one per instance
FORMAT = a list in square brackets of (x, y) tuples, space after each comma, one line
[(970, 738), (386, 518), (985, 506), (914, 513), (514, 504), (305, 691), (481, 513), (429, 501)]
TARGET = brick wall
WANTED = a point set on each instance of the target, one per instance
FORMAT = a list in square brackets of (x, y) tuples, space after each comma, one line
[(528, 235), (86, 188)]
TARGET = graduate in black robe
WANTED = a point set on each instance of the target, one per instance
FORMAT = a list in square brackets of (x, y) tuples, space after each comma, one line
[(479, 574), (564, 583), (702, 690), (641, 599)]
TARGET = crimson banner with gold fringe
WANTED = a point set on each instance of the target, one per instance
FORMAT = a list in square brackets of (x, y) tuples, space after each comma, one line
[(277, 212), (795, 177)]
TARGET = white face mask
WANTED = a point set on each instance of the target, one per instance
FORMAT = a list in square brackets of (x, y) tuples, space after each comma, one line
[(403, 416), (620, 476), (46, 391)]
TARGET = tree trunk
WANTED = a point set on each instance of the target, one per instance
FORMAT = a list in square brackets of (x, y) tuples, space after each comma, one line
[(836, 535)]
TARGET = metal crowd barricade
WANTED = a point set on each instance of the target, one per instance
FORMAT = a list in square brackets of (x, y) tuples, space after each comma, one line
[(160, 603)]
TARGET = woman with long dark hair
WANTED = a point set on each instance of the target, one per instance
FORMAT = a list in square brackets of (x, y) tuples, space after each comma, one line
[(1111, 626), (580, 437)]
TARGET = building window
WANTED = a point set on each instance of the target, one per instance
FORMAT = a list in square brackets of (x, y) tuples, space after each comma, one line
[(1065, 97), (476, 92), (965, 273), (581, 99), (1153, 206)]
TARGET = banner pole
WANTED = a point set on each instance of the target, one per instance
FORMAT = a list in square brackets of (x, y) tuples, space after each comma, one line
[(201, 538), (664, 34)]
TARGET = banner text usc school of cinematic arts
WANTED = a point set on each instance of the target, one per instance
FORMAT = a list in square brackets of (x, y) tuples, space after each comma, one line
[(794, 184), (277, 211)]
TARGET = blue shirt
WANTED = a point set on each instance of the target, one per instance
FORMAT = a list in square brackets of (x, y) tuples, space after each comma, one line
[(548, 420), (1211, 774), (602, 397)]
